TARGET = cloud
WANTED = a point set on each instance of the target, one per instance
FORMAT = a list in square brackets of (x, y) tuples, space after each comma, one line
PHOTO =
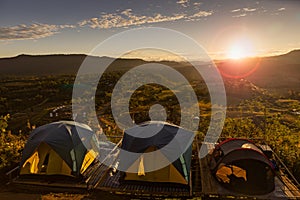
[(281, 9), (249, 9), (197, 16), (242, 12), (200, 14), (197, 3), (33, 31), (183, 3), (22, 32), (126, 18), (67, 26), (236, 10), (244, 9)]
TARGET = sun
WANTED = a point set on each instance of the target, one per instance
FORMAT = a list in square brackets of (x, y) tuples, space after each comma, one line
[(240, 50), (236, 52)]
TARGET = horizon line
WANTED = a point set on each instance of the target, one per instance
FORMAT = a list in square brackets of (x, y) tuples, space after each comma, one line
[(147, 59)]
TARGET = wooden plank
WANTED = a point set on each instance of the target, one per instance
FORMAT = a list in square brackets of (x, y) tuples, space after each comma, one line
[(208, 186), (290, 189), (207, 180)]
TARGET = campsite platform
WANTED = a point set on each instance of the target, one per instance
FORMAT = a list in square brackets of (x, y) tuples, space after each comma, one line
[(43, 186), (112, 183), (100, 178), (203, 184)]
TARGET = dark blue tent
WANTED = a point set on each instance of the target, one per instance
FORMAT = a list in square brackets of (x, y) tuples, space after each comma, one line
[(155, 138)]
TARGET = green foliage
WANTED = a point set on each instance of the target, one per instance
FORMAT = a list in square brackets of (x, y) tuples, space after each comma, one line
[(10, 145), (3, 123), (241, 127)]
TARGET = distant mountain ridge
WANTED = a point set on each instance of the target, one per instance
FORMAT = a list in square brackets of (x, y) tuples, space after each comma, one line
[(280, 72), (40, 65), (43, 64), (293, 53)]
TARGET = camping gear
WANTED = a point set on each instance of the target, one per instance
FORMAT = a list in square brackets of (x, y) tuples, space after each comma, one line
[(136, 140), (241, 166), (59, 148)]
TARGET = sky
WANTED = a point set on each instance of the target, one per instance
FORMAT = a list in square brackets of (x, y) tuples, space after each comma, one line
[(224, 28)]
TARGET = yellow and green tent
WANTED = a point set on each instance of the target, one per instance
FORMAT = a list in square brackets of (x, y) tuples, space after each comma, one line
[(59, 148), (154, 136)]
